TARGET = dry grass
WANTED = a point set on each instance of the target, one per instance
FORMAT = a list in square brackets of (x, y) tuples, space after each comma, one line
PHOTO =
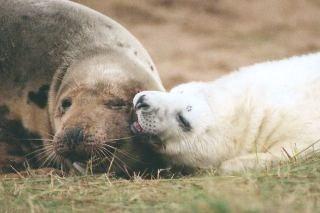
[(294, 187)]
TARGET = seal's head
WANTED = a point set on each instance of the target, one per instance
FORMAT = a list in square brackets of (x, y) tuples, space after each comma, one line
[(91, 112), (180, 119)]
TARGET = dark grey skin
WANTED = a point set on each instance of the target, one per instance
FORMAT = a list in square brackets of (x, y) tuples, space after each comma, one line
[(55, 106)]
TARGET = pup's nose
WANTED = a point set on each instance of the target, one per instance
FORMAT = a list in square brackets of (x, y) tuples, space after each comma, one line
[(141, 103)]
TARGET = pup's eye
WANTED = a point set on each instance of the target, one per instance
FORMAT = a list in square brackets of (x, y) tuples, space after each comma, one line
[(116, 104), (183, 122)]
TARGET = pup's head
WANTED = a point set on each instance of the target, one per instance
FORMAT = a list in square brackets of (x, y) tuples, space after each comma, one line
[(180, 119)]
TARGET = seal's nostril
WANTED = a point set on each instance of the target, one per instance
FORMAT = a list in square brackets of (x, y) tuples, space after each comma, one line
[(74, 136), (141, 103)]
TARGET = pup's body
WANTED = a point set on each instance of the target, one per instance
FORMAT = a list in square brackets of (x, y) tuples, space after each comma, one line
[(249, 119)]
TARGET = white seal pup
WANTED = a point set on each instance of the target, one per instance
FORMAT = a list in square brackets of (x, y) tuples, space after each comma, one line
[(68, 75), (250, 119)]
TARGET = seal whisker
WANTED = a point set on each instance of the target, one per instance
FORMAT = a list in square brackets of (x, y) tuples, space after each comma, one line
[(44, 155), (47, 133), (101, 157), (59, 162), (124, 153), (43, 148), (112, 161), (38, 156), (45, 151), (118, 139), (110, 165), (116, 158), (52, 161), (39, 151), (51, 155), (104, 157), (37, 139)]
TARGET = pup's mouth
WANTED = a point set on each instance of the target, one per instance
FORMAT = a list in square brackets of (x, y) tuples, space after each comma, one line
[(153, 140), (136, 128)]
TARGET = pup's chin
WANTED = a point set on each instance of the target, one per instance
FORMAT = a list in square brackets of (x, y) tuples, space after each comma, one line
[(151, 139)]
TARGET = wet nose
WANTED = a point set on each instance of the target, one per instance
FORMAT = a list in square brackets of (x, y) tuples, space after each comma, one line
[(141, 103), (74, 137)]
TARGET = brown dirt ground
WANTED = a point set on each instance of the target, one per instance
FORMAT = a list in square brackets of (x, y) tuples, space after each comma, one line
[(203, 39)]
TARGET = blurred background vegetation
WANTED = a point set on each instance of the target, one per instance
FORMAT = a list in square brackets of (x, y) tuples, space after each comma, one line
[(203, 39)]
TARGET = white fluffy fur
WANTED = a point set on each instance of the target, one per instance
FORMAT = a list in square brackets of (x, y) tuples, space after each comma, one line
[(249, 119)]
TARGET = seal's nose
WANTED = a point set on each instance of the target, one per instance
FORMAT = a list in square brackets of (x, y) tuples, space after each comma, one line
[(141, 103), (70, 142), (74, 137)]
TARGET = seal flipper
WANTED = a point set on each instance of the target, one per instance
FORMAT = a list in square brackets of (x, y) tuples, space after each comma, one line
[(16, 144)]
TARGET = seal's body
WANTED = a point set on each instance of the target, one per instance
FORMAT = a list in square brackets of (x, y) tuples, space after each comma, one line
[(252, 118), (67, 75)]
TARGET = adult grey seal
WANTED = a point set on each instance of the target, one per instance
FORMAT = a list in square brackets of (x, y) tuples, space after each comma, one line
[(68, 75)]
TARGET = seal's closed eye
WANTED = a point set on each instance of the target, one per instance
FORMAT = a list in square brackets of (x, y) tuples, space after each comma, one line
[(183, 122), (117, 104)]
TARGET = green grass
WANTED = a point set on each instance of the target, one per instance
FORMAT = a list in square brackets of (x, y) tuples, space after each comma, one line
[(291, 188)]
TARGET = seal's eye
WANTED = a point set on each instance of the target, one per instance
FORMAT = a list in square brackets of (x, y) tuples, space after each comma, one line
[(66, 104), (116, 104), (183, 122)]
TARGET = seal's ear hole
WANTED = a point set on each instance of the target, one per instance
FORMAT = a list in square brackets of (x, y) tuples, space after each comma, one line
[(66, 104)]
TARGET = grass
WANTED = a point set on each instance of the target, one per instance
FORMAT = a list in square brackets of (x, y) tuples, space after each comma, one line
[(294, 187)]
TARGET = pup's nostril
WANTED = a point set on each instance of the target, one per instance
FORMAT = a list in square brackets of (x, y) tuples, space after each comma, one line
[(141, 104)]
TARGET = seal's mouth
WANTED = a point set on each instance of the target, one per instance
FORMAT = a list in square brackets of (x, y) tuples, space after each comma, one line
[(84, 159), (80, 167), (73, 163)]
